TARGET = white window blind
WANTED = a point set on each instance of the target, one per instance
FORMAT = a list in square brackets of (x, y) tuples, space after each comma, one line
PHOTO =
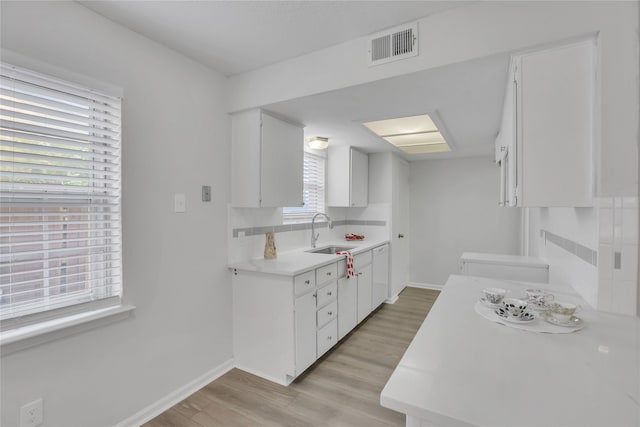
[(60, 240), (313, 191)]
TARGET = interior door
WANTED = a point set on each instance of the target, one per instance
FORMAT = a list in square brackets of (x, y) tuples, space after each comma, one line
[(400, 227)]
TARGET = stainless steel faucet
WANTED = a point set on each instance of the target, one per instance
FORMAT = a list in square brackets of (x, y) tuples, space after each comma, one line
[(314, 236)]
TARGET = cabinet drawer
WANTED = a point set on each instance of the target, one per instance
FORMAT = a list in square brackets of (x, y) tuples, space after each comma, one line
[(327, 337), (304, 282), (327, 293), (325, 314), (326, 273), (361, 260)]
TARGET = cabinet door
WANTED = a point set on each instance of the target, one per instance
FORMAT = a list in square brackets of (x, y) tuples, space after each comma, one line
[(338, 172), (555, 102), (282, 162), (347, 305), (305, 326), (359, 179), (506, 143), (380, 272), (245, 159), (364, 292)]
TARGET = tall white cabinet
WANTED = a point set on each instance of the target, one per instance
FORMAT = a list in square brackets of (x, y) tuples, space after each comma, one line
[(267, 158), (347, 177), (546, 142)]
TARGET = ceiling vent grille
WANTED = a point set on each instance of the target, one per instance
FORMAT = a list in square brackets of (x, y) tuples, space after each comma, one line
[(393, 44)]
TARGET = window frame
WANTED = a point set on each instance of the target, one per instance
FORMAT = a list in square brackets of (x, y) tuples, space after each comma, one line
[(83, 309), (298, 215)]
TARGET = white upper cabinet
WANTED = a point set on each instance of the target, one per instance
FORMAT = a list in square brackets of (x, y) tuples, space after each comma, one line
[(267, 160), (546, 142), (347, 177)]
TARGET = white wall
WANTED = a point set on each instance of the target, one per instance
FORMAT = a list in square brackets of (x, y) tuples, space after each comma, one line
[(454, 209), (579, 225), (175, 139), (479, 30), (608, 228)]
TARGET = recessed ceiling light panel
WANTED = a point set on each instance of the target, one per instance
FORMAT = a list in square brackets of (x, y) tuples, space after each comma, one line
[(413, 135)]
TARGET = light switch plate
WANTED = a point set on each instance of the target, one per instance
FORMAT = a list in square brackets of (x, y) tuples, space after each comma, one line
[(206, 193), (179, 203)]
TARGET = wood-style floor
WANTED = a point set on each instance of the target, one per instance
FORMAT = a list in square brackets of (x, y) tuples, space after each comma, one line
[(341, 389)]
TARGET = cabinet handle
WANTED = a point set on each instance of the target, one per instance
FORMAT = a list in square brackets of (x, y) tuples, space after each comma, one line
[(307, 282), (400, 236), (330, 313), (329, 293), (329, 338), (301, 203), (328, 273), (315, 295)]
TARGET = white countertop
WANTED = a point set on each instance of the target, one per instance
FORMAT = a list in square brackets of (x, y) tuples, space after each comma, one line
[(462, 369), (291, 263), (503, 259)]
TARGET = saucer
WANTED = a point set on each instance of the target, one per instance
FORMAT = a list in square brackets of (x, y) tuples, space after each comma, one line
[(574, 322), (486, 303), (525, 317)]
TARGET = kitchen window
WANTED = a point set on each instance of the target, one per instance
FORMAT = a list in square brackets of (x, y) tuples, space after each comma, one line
[(312, 193), (60, 198)]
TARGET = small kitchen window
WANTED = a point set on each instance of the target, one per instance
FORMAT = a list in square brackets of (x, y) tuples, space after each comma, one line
[(60, 189), (313, 191)]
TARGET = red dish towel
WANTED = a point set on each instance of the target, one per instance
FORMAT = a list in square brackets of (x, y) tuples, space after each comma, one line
[(351, 272)]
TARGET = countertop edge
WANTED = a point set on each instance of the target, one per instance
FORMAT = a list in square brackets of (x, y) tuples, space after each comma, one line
[(279, 267)]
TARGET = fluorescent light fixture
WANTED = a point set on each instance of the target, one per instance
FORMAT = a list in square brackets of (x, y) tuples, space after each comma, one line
[(413, 135), (318, 142)]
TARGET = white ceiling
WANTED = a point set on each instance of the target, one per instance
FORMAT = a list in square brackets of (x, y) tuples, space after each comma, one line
[(466, 97), (237, 36)]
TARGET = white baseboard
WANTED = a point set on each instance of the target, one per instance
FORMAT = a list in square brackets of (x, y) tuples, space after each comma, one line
[(424, 286), (391, 300), (176, 396)]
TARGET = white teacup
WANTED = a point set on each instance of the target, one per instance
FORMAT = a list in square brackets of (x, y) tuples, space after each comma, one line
[(562, 311), (514, 306), (538, 296), (494, 295)]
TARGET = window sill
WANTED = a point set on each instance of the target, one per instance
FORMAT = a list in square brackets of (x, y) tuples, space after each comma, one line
[(28, 336)]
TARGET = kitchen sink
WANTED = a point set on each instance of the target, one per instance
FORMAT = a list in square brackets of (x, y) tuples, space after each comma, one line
[(330, 249)]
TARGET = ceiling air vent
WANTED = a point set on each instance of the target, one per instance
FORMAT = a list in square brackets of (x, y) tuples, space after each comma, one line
[(393, 44)]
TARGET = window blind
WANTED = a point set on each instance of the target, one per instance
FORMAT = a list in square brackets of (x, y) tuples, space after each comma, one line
[(313, 191), (60, 230)]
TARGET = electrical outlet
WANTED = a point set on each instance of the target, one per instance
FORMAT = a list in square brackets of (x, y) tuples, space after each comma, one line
[(31, 414)]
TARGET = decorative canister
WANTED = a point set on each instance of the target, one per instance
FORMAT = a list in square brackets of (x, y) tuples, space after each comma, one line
[(270, 246)]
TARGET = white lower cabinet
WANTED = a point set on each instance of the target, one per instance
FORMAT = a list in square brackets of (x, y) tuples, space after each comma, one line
[(354, 294), (283, 324), (347, 305), (362, 265), (365, 288), (305, 327), (327, 337)]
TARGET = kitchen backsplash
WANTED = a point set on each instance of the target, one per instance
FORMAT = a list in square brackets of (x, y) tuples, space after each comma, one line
[(251, 231), (618, 255), (593, 249), (247, 228)]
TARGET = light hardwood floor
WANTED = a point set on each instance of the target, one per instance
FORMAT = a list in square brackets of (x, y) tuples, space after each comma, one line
[(341, 389)]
